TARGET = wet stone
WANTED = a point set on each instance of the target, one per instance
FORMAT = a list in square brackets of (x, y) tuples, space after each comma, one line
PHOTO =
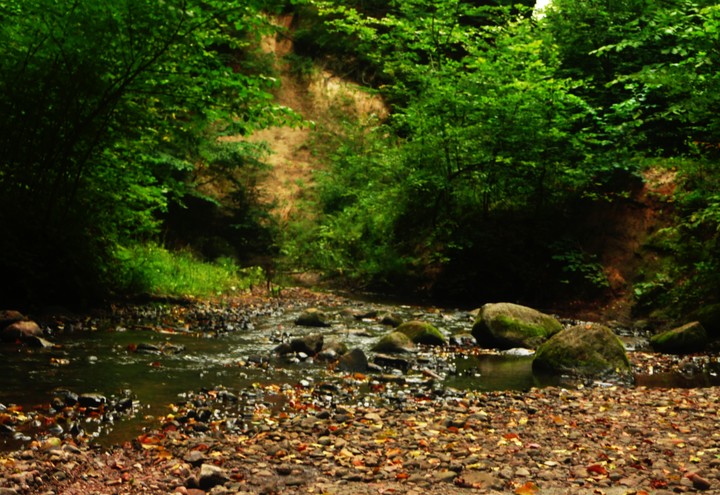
[(195, 458), (91, 400), (211, 475)]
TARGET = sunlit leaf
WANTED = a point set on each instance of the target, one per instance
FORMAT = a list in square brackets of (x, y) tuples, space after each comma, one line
[(528, 488)]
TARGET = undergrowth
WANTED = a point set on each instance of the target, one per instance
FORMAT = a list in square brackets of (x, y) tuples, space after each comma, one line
[(155, 270)]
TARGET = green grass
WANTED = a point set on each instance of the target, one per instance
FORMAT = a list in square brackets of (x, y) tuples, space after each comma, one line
[(155, 270)]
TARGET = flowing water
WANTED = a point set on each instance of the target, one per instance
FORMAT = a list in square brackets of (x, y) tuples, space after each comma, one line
[(155, 356)]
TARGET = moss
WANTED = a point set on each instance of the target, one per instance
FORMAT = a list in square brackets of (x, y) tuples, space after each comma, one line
[(583, 349), (422, 333), (682, 340), (394, 342), (506, 325)]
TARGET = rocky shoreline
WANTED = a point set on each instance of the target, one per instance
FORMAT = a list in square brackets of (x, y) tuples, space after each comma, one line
[(367, 434)]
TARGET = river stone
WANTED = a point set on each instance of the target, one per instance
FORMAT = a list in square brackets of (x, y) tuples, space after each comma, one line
[(391, 319), (686, 339), (394, 343), (91, 400), (145, 348), (354, 361), (212, 475), (421, 332), (312, 317), (10, 316), (334, 346), (309, 344), (392, 362), (507, 325), (21, 330), (588, 349)]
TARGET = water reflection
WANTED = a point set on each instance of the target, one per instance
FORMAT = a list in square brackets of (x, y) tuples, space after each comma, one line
[(489, 372)]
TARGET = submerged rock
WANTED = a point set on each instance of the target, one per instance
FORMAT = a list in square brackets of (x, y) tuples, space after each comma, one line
[(587, 350), (421, 332), (507, 325), (686, 339)]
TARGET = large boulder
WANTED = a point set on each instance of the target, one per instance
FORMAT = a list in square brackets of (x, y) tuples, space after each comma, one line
[(681, 340), (394, 343), (21, 330), (422, 333), (588, 350), (507, 325)]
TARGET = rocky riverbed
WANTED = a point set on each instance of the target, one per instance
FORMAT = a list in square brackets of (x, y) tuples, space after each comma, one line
[(369, 433), (612, 440)]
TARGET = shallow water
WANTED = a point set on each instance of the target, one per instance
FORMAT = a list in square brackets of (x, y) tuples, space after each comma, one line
[(103, 358)]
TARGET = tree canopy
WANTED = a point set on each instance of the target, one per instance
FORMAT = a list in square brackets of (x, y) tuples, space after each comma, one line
[(505, 128), (106, 109)]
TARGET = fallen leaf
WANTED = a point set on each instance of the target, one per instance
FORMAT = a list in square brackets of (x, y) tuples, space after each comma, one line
[(528, 488), (597, 469)]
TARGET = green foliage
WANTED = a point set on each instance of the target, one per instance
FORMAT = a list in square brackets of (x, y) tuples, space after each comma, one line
[(154, 270), (481, 127), (107, 109), (691, 279), (581, 269)]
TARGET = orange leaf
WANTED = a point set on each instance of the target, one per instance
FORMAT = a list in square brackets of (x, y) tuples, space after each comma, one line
[(402, 476), (597, 469), (528, 488), (510, 436)]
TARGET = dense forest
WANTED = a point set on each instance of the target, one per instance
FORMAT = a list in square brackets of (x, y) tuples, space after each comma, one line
[(507, 131)]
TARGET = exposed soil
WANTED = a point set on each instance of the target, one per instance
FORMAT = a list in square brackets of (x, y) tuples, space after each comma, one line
[(618, 232)]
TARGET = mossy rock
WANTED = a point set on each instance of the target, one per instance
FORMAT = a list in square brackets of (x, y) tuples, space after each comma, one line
[(507, 325), (422, 333), (394, 343), (587, 350), (682, 340)]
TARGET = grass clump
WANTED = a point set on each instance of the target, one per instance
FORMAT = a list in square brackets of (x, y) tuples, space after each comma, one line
[(152, 269)]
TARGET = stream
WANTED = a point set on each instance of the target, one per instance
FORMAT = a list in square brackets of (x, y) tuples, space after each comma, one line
[(148, 357)]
